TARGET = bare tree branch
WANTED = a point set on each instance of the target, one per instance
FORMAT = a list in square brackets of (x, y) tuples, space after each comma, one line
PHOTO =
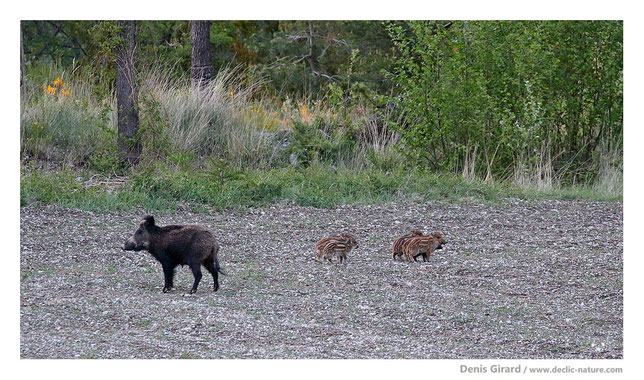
[(75, 43), (310, 58)]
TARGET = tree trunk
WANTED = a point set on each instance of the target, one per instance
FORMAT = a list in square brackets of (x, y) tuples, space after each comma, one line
[(202, 69), (126, 95), (313, 62), (23, 69)]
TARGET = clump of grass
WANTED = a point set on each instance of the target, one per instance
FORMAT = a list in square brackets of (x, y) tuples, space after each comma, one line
[(535, 171), (357, 138), (66, 188), (61, 124), (610, 177), (212, 120), (538, 178)]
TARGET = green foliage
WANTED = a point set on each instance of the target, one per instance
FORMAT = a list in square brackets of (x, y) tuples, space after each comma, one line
[(334, 95), (311, 144), (156, 141), (40, 187), (56, 41), (500, 97), (105, 159), (165, 42), (280, 49), (183, 160), (71, 125), (107, 38), (389, 160)]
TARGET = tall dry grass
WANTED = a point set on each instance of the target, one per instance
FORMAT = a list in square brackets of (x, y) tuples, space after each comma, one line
[(536, 171), (610, 177), (213, 119)]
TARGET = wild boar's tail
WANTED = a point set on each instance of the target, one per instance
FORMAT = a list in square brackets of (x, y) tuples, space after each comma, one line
[(218, 268), (214, 252)]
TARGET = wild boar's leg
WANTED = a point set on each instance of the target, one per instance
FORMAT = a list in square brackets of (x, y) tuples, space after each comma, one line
[(196, 271), (168, 274), (209, 263)]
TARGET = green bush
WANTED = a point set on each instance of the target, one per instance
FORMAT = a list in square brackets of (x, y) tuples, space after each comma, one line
[(528, 101), (312, 144)]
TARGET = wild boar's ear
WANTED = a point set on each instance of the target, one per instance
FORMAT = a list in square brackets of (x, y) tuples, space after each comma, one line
[(149, 220)]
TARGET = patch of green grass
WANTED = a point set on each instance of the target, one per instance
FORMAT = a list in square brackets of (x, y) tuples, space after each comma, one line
[(65, 187), (189, 355), (39, 271), (112, 268), (160, 187), (90, 355), (225, 293), (463, 318), (26, 274)]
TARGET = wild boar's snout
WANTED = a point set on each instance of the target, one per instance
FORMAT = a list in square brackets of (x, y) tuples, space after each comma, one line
[(131, 245), (128, 246)]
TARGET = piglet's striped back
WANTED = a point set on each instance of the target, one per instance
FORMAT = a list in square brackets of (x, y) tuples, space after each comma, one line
[(397, 248), (336, 246)]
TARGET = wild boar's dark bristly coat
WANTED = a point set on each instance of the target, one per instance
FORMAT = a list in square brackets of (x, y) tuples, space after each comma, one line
[(176, 245)]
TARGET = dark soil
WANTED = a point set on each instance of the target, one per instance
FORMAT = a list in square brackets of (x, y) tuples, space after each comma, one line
[(519, 279)]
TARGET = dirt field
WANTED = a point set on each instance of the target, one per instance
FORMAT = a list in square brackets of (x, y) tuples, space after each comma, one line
[(520, 279)]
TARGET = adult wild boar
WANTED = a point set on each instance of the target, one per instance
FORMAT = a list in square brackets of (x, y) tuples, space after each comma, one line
[(177, 245)]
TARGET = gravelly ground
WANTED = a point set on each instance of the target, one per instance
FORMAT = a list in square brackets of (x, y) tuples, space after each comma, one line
[(521, 279)]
